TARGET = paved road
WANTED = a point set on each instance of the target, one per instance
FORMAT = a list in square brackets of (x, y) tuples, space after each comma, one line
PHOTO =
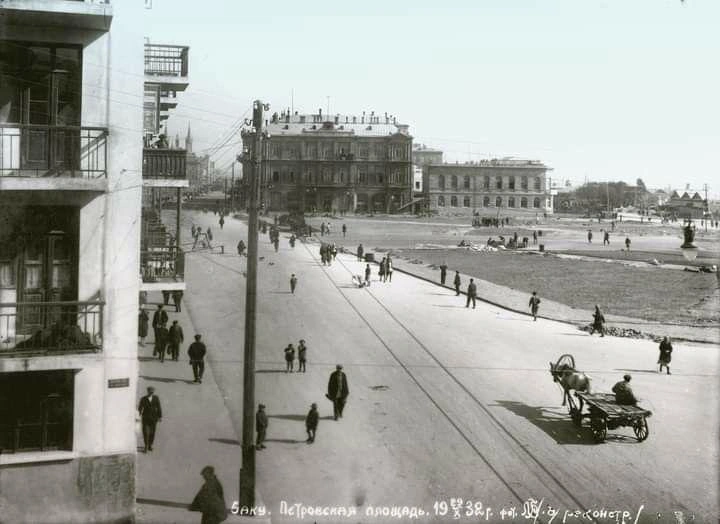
[(446, 402)]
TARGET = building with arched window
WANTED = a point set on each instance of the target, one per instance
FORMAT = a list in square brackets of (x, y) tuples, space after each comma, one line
[(507, 186)]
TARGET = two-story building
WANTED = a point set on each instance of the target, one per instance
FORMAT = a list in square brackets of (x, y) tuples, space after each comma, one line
[(70, 189), (508, 186), (334, 163)]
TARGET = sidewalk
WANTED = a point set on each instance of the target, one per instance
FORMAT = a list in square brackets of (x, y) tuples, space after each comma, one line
[(195, 431)]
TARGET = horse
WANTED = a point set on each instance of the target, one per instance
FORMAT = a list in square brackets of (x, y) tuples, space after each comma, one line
[(569, 379)]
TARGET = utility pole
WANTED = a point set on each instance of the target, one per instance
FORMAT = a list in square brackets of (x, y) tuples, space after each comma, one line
[(247, 471), (706, 211), (232, 187)]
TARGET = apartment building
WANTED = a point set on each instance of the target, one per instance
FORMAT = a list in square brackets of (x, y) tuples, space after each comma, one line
[(71, 165), (336, 163)]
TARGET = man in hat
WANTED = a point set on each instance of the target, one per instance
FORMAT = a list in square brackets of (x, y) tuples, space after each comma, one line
[(302, 352), (471, 293), (534, 305), (160, 317), (293, 283), (196, 352), (456, 283), (261, 425), (289, 357), (175, 338), (623, 392), (443, 273), (151, 414), (338, 391), (311, 423), (210, 500)]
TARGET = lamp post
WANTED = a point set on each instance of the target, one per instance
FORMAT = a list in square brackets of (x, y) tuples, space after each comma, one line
[(689, 250)]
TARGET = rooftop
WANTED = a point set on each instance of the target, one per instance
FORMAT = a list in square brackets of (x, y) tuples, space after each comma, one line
[(368, 125), (497, 162)]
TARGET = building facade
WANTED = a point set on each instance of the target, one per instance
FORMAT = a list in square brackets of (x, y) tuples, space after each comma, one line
[(505, 186), (70, 184), (333, 164)]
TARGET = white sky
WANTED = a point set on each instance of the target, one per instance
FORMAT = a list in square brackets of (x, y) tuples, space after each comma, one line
[(597, 89)]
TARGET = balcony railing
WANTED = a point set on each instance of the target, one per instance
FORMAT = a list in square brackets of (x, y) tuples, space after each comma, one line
[(30, 150), (162, 264), (164, 163), (32, 327), (166, 60)]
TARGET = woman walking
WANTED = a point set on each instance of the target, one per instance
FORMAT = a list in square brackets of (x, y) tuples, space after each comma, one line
[(665, 355)]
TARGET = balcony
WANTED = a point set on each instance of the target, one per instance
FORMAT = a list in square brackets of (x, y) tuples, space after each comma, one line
[(50, 327), (167, 66), (162, 265), (54, 152), (95, 15), (164, 168)]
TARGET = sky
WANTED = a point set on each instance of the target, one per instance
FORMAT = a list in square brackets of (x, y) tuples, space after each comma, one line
[(599, 90)]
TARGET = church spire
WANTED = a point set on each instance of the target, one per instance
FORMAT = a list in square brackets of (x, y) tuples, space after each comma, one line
[(188, 141)]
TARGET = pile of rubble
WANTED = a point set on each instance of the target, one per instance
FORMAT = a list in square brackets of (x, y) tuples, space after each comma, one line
[(624, 332)]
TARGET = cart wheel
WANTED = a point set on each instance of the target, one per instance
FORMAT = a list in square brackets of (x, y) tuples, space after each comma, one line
[(576, 417), (640, 426), (598, 425)]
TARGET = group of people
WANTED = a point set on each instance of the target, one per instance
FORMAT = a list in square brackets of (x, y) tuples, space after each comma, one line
[(385, 270), (290, 357), (203, 238), (274, 234), (328, 252)]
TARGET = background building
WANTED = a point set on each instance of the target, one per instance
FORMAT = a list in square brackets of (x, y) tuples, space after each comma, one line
[(507, 186), (70, 190), (339, 163)]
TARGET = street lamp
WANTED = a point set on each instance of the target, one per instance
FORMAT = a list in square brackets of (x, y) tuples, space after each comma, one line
[(689, 250)]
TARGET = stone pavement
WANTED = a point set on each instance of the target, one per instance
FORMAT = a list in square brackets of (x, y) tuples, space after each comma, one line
[(195, 431)]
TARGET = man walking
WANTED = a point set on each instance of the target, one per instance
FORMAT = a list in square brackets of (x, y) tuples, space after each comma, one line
[(368, 272), (534, 305), (177, 297), (210, 500), (344, 230), (151, 414), (443, 273), (241, 247), (289, 358), (160, 317), (161, 343), (175, 337), (589, 236), (456, 283), (471, 293), (302, 356), (338, 391), (293, 283), (606, 238), (196, 352), (598, 322), (261, 425), (311, 423), (627, 243), (360, 252)]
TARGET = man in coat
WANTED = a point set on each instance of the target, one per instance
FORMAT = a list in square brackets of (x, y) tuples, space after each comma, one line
[(210, 500), (261, 425), (293, 283), (360, 252), (534, 305), (196, 352), (151, 414), (623, 392), (443, 273), (161, 341), (175, 338), (456, 283), (177, 297), (665, 354), (598, 322), (338, 391), (241, 247), (311, 423), (471, 293), (160, 317)]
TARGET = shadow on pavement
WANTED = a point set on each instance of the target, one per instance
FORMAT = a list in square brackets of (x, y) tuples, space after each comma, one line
[(653, 371), (285, 440), (289, 417), (446, 306), (147, 359), (558, 426), (167, 380), (231, 441), (166, 503), (269, 371)]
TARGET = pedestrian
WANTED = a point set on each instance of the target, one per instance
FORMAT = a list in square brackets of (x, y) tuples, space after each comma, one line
[(241, 247), (535, 237), (665, 355), (381, 270), (333, 250), (360, 252), (388, 269), (222, 222), (623, 392), (289, 358), (197, 352), (143, 321), (471, 293), (311, 423), (276, 243), (589, 236), (302, 352), (338, 391), (322, 229), (261, 425), (606, 238), (612, 225), (344, 230), (175, 338), (598, 322), (456, 283), (368, 272), (293, 283), (210, 500), (166, 297), (177, 297), (209, 234), (534, 305), (627, 243), (150, 414), (161, 343), (327, 229), (443, 273), (292, 241)]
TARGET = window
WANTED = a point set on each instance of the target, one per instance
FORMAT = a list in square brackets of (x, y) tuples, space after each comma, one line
[(441, 181), (524, 183), (276, 176), (292, 177), (511, 183), (536, 202), (380, 179), (486, 182), (362, 177), (498, 182), (511, 202), (524, 202), (417, 185), (466, 201), (537, 184), (486, 201), (275, 151), (498, 202), (466, 183), (36, 411), (364, 152), (453, 201), (454, 182), (441, 201)]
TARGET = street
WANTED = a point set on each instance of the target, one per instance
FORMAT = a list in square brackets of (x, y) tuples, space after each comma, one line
[(445, 402)]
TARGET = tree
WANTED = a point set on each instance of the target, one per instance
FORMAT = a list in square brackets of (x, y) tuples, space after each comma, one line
[(641, 185)]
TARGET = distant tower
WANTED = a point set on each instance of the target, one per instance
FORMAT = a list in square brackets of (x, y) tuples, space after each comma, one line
[(177, 140), (188, 141)]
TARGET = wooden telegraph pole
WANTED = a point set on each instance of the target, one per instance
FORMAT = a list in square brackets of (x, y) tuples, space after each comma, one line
[(247, 471)]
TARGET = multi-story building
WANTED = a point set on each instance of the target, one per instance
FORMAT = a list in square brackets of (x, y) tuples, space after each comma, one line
[(422, 157), (509, 186), (70, 189), (338, 163)]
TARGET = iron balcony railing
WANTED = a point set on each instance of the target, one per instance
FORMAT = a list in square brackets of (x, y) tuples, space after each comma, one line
[(164, 163), (162, 264), (31, 150), (45, 327), (166, 60)]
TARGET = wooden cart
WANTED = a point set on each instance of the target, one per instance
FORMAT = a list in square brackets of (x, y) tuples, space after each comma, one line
[(605, 413)]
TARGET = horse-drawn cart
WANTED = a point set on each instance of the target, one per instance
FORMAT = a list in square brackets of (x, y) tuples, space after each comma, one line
[(605, 413)]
